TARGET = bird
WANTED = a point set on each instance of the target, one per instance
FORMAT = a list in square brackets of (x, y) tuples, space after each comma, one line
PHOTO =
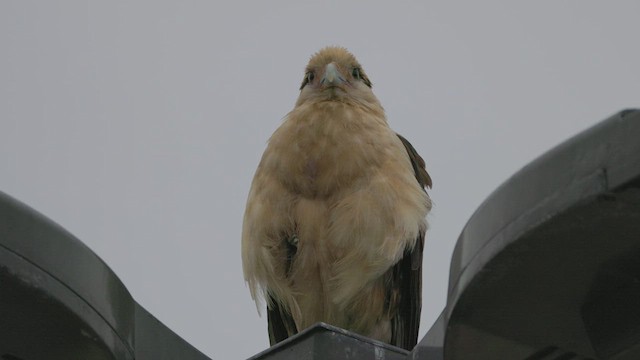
[(335, 220)]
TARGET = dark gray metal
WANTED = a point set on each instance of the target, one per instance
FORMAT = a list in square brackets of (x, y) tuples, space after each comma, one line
[(154, 341), (549, 266), (430, 347), (323, 341), (58, 300)]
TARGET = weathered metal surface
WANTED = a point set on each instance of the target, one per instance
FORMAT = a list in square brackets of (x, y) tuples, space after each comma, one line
[(323, 341)]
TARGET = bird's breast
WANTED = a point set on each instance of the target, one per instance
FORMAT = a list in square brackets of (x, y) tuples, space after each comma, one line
[(320, 149)]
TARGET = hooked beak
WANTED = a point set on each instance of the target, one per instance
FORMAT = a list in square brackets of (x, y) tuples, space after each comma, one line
[(332, 76)]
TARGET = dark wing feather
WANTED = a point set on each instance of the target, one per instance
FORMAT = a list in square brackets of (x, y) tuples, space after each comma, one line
[(281, 324), (405, 278), (418, 164)]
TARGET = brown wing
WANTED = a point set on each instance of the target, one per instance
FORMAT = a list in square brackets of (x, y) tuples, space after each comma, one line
[(281, 324), (405, 278), (418, 164)]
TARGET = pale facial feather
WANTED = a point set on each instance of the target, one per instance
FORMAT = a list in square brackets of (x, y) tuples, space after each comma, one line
[(355, 89)]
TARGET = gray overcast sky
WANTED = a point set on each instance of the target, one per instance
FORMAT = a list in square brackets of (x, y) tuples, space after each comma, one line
[(137, 125)]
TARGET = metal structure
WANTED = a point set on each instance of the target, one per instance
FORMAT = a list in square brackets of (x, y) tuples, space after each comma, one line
[(323, 341), (59, 301), (548, 267)]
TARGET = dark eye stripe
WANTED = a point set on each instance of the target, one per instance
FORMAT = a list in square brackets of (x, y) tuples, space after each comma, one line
[(357, 74), (308, 77)]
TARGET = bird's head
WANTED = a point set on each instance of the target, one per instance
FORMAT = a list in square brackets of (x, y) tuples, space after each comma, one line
[(333, 73)]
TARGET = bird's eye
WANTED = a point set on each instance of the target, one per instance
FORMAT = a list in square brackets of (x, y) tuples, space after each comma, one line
[(356, 73), (308, 77)]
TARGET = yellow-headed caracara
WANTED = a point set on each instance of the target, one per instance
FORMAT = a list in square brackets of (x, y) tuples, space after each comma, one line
[(335, 220)]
